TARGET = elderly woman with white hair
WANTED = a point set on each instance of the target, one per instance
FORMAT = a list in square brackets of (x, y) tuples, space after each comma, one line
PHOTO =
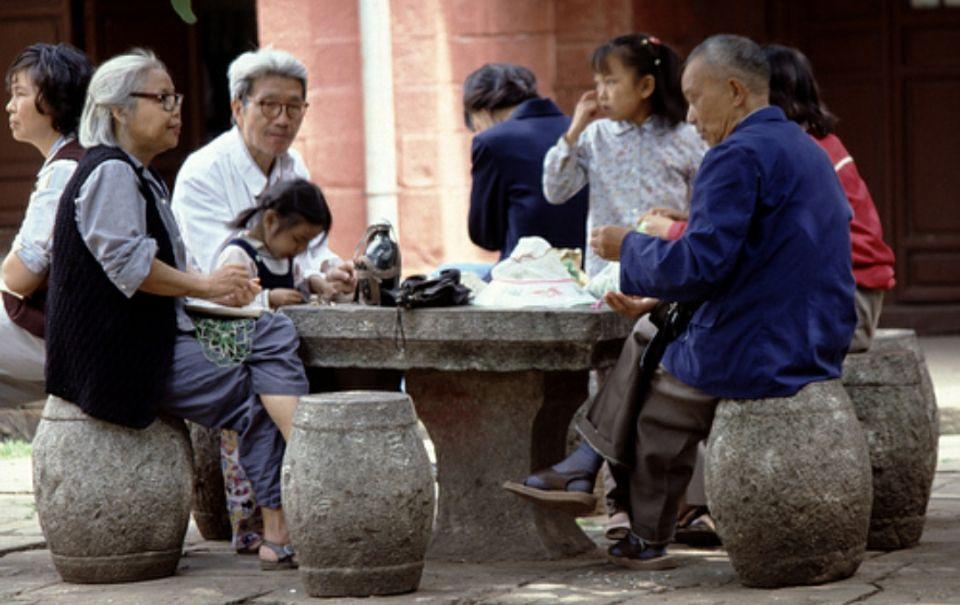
[(119, 266)]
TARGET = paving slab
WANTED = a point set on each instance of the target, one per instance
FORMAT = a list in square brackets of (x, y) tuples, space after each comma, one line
[(210, 573)]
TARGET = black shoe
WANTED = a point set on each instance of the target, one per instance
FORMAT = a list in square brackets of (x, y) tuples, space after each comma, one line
[(636, 553)]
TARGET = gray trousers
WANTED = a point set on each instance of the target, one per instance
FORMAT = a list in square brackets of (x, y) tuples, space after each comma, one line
[(608, 427), (869, 304), (228, 396), (655, 458)]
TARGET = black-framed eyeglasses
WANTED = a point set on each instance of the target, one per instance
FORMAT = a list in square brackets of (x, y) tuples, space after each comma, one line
[(272, 109), (168, 100)]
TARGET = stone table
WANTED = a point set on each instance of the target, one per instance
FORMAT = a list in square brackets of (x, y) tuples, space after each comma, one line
[(496, 390)]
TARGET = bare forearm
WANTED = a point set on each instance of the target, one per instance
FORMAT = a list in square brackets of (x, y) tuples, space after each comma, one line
[(164, 280), (18, 278)]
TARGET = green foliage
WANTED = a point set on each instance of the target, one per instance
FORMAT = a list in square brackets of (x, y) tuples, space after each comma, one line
[(185, 10), (15, 448)]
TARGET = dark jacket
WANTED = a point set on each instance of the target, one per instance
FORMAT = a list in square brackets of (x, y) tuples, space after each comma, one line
[(506, 201), (768, 251), (109, 354)]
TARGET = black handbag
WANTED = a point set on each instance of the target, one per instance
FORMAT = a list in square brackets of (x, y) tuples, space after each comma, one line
[(419, 292), (27, 312)]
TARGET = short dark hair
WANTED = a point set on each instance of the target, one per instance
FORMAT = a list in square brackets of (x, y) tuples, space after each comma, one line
[(294, 201), (495, 86), (61, 74), (646, 55), (737, 54), (794, 90)]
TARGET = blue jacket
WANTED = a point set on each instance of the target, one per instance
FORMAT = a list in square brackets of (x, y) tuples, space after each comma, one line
[(506, 202), (768, 250)]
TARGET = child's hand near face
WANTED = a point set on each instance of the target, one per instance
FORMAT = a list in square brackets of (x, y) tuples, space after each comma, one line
[(587, 109)]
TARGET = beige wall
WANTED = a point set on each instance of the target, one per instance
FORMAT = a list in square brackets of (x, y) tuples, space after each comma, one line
[(436, 43)]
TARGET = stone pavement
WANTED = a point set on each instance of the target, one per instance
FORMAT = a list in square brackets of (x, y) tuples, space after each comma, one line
[(210, 573)]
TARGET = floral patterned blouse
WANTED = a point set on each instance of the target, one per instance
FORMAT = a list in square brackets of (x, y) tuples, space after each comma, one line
[(630, 168)]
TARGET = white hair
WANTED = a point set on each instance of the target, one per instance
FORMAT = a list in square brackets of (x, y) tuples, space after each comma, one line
[(249, 66), (738, 56), (110, 87)]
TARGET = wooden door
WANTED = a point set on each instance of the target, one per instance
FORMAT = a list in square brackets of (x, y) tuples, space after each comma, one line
[(22, 24), (114, 26), (891, 70)]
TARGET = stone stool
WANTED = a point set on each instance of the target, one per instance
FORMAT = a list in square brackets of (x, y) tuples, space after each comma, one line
[(788, 483), (113, 502), (358, 493), (209, 498), (892, 393)]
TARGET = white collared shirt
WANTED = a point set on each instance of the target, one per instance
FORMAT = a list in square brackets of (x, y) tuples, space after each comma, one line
[(630, 169), (220, 180)]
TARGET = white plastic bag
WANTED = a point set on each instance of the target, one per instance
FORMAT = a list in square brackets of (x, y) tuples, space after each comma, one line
[(533, 276), (607, 280)]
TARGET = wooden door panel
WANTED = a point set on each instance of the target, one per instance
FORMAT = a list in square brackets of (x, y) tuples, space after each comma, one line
[(932, 157), (851, 51), (831, 11), (938, 47), (20, 26), (115, 26)]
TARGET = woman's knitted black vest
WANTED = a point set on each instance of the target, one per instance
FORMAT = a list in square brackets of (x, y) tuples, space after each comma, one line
[(109, 354)]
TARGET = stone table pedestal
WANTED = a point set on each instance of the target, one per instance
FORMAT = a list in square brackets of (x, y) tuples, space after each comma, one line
[(496, 390)]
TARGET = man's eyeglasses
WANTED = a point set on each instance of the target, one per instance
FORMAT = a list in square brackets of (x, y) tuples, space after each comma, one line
[(272, 109), (168, 100)]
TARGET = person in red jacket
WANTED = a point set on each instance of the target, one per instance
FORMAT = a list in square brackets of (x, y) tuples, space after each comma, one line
[(794, 89)]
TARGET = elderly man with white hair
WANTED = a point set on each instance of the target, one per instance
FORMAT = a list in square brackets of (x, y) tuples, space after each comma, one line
[(763, 274), (268, 101), (217, 182)]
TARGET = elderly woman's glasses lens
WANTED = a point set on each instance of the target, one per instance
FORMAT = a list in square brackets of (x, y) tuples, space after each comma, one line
[(168, 100), (272, 109)]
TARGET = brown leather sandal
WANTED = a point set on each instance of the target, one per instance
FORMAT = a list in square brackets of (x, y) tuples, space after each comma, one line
[(556, 495)]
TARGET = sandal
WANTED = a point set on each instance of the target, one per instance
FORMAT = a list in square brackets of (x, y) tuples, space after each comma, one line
[(697, 528), (556, 495), (617, 527), (250, 549), (285, 557)]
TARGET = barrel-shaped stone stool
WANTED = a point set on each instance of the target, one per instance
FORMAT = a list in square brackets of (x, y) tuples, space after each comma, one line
[(113, 502), (892, 393), (358, 493), (209, 499), (788, 483)]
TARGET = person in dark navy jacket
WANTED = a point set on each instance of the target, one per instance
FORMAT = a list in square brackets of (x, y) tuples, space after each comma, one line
[(515, 128), (766, 255)]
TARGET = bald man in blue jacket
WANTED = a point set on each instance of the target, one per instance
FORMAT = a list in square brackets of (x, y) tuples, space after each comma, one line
[(766, 255)]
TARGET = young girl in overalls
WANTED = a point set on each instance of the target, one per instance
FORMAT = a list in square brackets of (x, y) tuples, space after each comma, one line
[(287, 217)]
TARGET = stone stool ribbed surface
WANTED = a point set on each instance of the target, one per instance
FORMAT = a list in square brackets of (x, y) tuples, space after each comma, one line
[(891, 391), (209, 498), (113, 502), (788, 483), (358, 493)]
